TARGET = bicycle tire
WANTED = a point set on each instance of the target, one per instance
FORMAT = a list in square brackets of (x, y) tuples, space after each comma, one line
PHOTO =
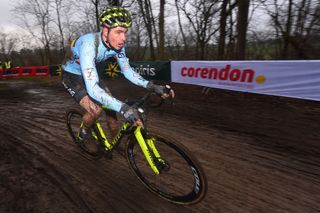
[(183, 186), (90, 146)]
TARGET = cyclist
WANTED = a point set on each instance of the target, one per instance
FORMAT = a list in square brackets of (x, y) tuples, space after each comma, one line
[(80, 76)]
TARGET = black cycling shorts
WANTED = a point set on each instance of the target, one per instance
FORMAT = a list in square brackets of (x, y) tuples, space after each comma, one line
[(75, 85)]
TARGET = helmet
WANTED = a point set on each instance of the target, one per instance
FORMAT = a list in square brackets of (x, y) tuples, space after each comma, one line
[(115, 17)]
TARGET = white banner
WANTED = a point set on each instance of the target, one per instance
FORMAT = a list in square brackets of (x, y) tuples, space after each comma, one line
[(298, 79)]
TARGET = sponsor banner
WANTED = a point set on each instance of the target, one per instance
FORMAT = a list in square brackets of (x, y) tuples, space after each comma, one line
[(153, 70), (55, 70), (298, 79), (111, 69), (147, 69)]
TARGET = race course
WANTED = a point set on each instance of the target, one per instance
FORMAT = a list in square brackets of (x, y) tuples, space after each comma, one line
[(260, 153)]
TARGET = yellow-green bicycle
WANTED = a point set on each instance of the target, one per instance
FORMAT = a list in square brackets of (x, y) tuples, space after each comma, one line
[(164, 166)]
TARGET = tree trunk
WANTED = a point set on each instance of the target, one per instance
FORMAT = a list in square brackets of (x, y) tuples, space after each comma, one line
[(148, 22), (58, 10), (185, 44), (161, 30), (242, 25), (222, 30), (287, 33), (96, 9)]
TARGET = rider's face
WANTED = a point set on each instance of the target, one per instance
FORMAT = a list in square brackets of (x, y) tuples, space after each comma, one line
[(117, 36)]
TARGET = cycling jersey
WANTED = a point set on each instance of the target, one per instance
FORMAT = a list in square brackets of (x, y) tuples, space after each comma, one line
[(88, 50)]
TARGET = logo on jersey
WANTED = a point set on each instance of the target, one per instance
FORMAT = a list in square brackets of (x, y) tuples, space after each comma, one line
[(121, 55), (90, 74)]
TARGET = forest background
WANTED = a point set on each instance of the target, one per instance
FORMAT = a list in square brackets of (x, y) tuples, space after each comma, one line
[(170, 29)]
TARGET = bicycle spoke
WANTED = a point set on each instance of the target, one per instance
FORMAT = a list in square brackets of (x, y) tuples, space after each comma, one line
[(181, 181)]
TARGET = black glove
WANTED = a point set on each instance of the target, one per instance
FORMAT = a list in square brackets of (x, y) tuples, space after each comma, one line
[(129, 113), (160, 90)]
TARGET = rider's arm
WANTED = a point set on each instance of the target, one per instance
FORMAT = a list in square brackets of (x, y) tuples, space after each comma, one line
[(137, 79), (91, 78), (128, 72)]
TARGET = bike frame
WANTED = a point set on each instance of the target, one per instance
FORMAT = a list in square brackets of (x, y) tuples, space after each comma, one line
[(146, 144)]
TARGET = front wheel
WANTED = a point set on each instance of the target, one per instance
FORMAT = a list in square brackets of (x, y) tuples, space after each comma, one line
[(181, 180)]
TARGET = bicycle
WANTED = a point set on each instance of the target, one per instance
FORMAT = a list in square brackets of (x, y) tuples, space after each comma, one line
[(157, 161)]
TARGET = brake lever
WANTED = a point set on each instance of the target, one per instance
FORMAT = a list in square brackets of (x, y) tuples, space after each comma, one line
[(167, 91)]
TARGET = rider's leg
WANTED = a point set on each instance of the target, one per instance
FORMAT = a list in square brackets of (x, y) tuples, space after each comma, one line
[(113, 122), (93, 112)]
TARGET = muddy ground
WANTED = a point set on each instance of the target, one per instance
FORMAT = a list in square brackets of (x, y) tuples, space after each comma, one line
[(260, 153)]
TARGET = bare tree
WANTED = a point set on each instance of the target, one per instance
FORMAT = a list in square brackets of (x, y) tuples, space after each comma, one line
[(226, 11), (161, 30), (215, 27), (35, 15), (297, 24), (146, 12), (259, 45), (200, 14), (58, 7), (222, 30), (7, 44), (137, 38), (242, 25), (87, 15), (95, 4), (184, 39)]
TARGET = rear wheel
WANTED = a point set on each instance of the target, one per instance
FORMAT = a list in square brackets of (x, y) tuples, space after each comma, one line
[(181, 180), (89, 145)]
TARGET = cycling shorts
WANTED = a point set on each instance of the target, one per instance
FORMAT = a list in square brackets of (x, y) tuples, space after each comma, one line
[(75, 85)]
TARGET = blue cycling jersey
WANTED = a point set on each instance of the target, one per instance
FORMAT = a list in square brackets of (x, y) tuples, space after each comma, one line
[(88, 50)]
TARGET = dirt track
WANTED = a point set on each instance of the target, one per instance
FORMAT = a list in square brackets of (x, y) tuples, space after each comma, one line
[(260, 153)]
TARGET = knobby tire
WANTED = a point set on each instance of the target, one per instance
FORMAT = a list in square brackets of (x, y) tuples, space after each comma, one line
[(184, 183)]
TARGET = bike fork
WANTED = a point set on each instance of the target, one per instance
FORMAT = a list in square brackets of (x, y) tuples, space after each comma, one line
[(146, 145)]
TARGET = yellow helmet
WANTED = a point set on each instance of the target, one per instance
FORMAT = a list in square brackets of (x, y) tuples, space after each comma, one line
[(115, 17)]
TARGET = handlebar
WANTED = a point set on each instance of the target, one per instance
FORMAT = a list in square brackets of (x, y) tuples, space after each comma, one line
[(142, 100), (138, 104), (147, 96)]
